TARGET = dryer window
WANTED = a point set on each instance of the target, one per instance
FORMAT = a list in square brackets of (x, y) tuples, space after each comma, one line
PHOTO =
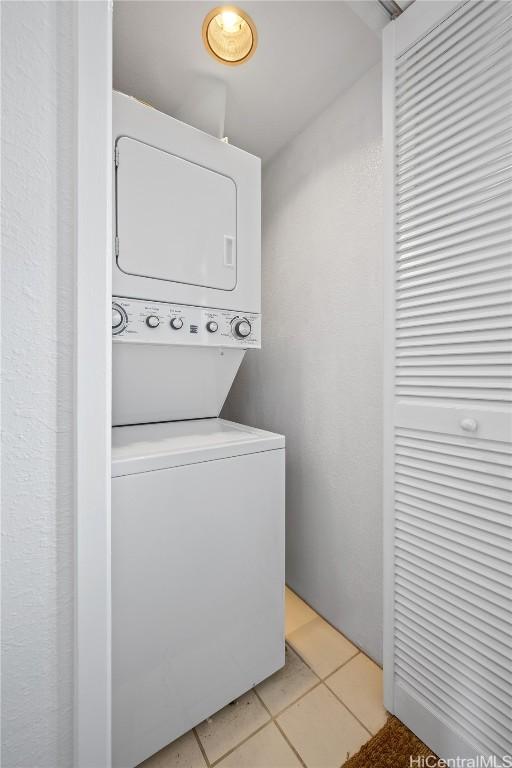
[(176, 221)]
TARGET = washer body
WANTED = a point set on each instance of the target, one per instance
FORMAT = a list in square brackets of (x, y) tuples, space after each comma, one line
[(197, 575)]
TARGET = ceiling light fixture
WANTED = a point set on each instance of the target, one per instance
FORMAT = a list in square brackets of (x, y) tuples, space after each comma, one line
[(229, 35)]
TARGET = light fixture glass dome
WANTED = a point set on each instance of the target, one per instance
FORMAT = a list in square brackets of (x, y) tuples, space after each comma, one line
[(229, 35)]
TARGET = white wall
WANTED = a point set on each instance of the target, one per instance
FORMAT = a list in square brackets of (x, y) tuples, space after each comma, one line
[(37, 392), (318, 377)]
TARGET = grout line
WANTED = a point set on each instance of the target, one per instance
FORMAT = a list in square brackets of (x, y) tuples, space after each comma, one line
[(285, 709), (349, 710), (301, 658), (239, 744), (323, 680), (311, 668), (357, 653), (273, 718), (285, 737), (283, 734), (330, 624), (297, 653), (205, 756)]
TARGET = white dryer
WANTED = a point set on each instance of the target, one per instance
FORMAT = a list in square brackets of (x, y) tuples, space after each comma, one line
[(186, 273), (188, 213), (197, 575)]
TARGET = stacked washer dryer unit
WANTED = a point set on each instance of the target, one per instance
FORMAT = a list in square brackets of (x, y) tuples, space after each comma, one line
[(197, 501)]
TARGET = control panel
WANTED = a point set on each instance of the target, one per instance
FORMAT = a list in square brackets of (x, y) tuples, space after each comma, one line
[(137, 320)]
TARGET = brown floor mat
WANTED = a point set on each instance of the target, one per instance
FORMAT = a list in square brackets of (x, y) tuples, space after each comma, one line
[(391, 747)]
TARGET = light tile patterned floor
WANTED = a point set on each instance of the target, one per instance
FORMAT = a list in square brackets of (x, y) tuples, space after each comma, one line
[(314, 713)]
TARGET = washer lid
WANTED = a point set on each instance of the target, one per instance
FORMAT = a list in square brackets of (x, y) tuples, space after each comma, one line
[(147, 447)]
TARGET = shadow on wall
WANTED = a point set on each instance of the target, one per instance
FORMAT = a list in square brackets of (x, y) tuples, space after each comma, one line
[(318, 378)]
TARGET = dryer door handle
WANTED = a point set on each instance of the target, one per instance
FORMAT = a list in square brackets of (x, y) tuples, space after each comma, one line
[(229, 251)]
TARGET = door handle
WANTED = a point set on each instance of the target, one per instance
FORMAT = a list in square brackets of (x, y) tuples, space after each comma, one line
[(469, 425), (229, 251)]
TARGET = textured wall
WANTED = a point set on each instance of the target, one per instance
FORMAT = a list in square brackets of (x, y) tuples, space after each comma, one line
[(318, 377), (37, 369)]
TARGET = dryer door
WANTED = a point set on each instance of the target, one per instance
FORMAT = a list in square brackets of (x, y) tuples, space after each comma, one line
[(176, 221)]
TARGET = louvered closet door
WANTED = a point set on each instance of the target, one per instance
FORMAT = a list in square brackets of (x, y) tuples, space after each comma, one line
[(448, 486)]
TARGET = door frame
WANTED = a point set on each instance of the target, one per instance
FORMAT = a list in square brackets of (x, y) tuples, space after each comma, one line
[(92, 406)]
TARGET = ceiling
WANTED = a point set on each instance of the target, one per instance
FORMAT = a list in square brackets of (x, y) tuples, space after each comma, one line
[(308, 53)]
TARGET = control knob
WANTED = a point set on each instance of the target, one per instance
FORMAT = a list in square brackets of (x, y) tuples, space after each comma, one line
[(241, 328), (212, 326), (119, 318), (176, 323), (152, 321)]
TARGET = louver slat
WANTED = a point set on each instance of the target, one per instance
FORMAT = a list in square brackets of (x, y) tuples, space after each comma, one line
[(486, 70), (418, 60), (489, 37), (462, 662), (493, 111), (462, 247), (476, 107), (453, 565)]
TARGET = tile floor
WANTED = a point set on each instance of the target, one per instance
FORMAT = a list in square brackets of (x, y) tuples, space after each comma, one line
[(314, 713)]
